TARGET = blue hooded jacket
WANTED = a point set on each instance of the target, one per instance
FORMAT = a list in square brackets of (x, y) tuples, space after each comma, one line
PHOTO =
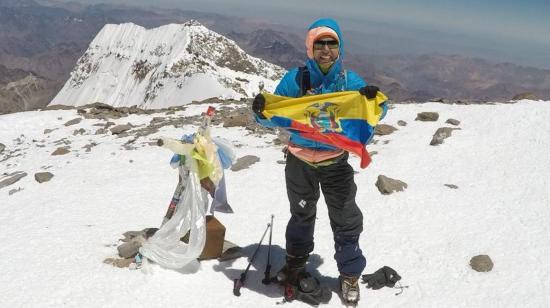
[(337, 79)]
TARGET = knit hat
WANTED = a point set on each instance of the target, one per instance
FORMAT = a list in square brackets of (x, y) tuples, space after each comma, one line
[(316, 33)]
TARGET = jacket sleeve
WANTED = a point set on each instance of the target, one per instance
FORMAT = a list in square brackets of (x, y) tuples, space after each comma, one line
[(264, 122), (286, 87), (384, 106), (354, 82)]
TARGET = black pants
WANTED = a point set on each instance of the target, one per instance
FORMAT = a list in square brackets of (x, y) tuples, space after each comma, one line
[(346, 220)]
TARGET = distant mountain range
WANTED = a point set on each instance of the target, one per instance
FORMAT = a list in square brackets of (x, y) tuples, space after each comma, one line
[(23, 90), (46, 38)]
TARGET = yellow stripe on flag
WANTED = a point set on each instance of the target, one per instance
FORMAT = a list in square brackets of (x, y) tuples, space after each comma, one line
[(350, 104)]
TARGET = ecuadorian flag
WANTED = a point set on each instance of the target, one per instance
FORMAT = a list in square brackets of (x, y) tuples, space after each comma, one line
[(344, 120)]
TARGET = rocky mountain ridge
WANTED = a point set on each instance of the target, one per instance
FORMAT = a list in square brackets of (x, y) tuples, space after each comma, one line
[(171, 65), (22, 90)]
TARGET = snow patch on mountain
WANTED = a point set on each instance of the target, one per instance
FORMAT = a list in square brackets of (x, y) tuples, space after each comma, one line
[(128, 65)]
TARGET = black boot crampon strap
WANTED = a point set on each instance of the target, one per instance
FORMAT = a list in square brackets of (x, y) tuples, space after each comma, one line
[(309, 291)]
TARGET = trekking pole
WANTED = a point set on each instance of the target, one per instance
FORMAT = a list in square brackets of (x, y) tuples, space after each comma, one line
[(267, 278), (239, 282)]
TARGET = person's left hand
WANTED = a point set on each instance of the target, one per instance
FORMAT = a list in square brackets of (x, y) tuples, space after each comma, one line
[(369, 91), (259, 105)]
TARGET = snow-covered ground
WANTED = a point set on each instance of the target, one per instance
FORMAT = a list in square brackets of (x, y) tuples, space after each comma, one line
[(55, 235)]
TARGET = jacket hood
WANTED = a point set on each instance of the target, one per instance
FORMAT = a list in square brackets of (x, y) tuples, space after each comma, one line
[(330, 23), (317, 77)]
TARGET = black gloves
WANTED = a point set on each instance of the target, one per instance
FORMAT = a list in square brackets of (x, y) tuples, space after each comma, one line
[(384, 277), (259, 105), (369, 91)]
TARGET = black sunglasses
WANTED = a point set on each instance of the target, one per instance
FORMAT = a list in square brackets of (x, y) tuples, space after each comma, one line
[(331, 44)]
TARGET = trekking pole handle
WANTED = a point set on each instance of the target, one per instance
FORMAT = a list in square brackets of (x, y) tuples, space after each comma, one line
[(267, 278), (270, 236), (237, 284)]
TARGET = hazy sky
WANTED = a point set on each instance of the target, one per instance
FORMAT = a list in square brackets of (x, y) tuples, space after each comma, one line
[(520, 29)]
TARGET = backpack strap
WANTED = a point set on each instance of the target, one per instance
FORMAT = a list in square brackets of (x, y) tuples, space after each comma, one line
[(345, 80), (303, 80)]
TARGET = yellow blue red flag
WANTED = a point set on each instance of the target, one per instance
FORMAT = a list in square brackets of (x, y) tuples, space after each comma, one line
[(344, 120)]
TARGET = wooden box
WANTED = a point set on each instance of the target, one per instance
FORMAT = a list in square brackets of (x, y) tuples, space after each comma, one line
[(215, 236)]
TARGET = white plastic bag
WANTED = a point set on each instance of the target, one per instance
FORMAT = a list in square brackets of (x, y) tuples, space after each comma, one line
[(226, 153), (165, 247)]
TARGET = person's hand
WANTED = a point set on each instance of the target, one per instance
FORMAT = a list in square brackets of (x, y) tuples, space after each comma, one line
[(369, 91), (259, 105)]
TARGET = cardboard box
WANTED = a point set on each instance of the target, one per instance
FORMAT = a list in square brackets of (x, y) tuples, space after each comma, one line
[(215, 236)]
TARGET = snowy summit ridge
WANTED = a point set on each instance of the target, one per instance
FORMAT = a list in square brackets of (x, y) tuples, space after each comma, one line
[(128, 65)]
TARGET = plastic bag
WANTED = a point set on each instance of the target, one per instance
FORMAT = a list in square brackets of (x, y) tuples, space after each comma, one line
[(165, 247), (175, 160), (225, 152), (206, 155)]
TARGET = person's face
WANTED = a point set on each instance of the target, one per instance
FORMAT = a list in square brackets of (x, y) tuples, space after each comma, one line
[(325, 50)]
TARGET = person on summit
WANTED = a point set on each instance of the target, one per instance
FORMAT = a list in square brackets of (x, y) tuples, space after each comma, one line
[(311, 164)]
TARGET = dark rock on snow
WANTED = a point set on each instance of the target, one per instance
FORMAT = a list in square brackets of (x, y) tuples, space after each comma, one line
[(73, 122), (427, 116), (42, 177), (441, 134), (120, 129), (388, 185), (80, 131), (101, 131), (11, 178), (384, 129), (237, 119), (481, 263), (452, 186), (453, 122), (89, 147), (245, 162), (13, 191), (61, 151)]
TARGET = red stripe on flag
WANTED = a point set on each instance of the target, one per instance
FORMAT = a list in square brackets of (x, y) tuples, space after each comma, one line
[(334, 139)]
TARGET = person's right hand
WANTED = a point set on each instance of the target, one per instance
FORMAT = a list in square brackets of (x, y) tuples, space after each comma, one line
[(258, 106), (369, 91)]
